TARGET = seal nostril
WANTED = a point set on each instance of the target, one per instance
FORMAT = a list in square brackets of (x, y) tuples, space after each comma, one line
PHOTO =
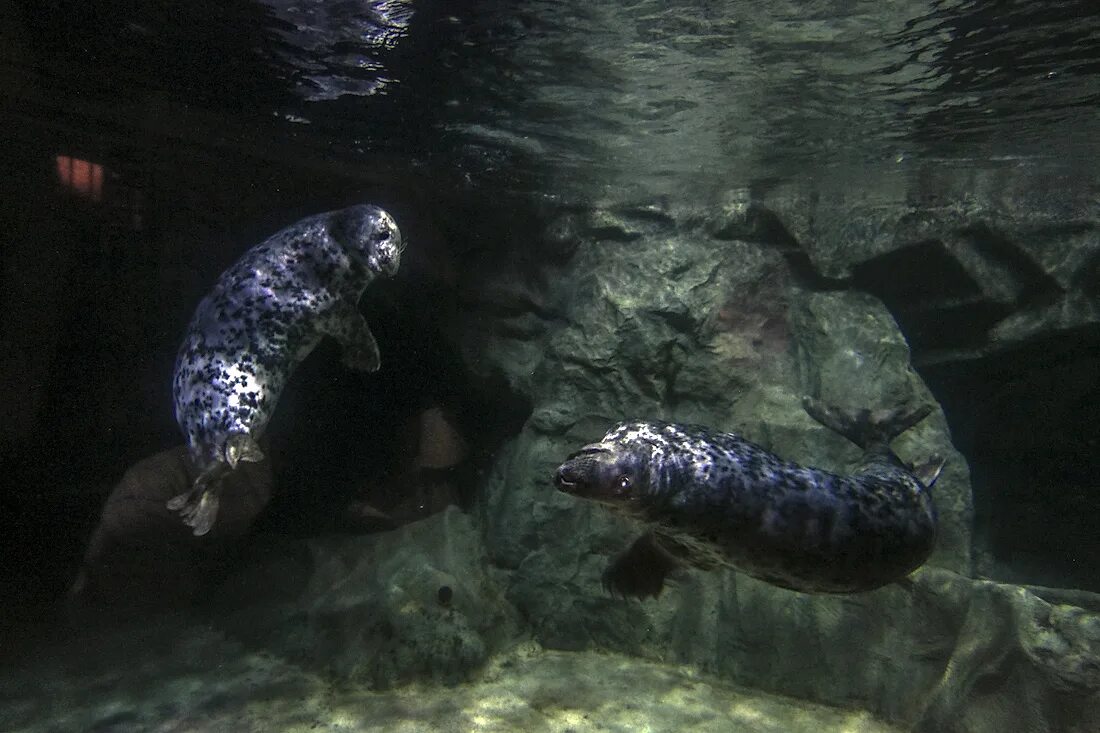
[(564, 481)]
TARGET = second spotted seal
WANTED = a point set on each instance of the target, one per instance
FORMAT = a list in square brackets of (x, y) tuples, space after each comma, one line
[(714, 499), (264, 316)]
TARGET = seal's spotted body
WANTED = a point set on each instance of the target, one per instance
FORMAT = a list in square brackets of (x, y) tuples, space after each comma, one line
[(267, 313), (718, 499)]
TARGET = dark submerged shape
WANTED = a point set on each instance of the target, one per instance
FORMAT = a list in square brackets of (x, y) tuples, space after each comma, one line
[(265, 315), (717, 499)]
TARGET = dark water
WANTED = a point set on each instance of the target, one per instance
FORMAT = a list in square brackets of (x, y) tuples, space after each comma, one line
[(146, 146)]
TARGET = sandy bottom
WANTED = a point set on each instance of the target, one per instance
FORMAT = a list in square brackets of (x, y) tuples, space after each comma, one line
[(150, 680)]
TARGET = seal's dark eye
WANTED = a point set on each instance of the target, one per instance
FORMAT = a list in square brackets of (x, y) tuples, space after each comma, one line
[(624, 482)]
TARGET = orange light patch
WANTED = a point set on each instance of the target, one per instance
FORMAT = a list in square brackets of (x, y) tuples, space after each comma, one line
[(81, 176)]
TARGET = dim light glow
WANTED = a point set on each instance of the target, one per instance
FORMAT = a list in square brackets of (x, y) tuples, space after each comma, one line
[(81, 176)]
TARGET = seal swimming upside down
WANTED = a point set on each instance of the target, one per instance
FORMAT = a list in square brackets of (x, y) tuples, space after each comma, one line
[(265, 315), (715, 499)]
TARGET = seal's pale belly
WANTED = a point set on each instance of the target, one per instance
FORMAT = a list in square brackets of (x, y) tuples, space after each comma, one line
[(230, 372)]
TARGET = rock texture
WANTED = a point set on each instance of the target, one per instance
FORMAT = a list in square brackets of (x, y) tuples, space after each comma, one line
[(970, 266), (728, 320), (141, 556), (374, 610), (198, 680), (1021, 659)]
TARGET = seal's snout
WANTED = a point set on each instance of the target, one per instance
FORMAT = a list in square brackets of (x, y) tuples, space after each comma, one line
[(580, 470), (389, 246), (566, 478)]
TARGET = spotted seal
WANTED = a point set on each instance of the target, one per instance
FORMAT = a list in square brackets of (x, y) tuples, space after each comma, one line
[(265, 315), (716, 499)]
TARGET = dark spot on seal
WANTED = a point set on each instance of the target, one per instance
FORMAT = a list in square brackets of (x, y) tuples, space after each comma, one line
[(444, 595)]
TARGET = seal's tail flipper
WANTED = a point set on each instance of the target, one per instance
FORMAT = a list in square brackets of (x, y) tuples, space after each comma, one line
[(866, 428), (177, 503), (242, 447), (929, 471), (200, 516), (199, 505)]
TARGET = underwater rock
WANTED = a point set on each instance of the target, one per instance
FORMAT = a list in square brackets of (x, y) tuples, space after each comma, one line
[(367, 609), (140, 556), (748, 220), (675, 325), (978, 274), (968, 267), (1019, 662), (696, 319)]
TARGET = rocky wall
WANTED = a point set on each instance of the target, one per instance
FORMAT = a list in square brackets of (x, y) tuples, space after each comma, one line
[(728, 319), (657, 313)]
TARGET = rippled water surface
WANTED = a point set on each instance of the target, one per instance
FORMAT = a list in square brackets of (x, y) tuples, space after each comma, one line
[(655, 96)]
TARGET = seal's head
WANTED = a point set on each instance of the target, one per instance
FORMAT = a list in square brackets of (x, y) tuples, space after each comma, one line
[(370, 235), (608, 472)]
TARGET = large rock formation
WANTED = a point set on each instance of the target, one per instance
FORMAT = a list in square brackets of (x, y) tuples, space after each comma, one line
[(374, 610), (142, 557), (971, 265), (728, 320)]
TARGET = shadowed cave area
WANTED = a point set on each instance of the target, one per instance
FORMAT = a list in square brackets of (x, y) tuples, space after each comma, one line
[(341, 438), (1021, 405), (349, 453), (1026, 419)]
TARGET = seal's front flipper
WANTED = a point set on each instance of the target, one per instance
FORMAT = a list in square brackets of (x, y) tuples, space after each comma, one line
[(364, 358), (641, 571), (240, 447), (347, 325), (866, 428)]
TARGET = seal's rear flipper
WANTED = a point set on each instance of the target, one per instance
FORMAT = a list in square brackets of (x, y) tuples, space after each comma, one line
[(866, 428), (200, 516), (928, 471), (242, 447), (177, 503), (640, 571), (199, 505)]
